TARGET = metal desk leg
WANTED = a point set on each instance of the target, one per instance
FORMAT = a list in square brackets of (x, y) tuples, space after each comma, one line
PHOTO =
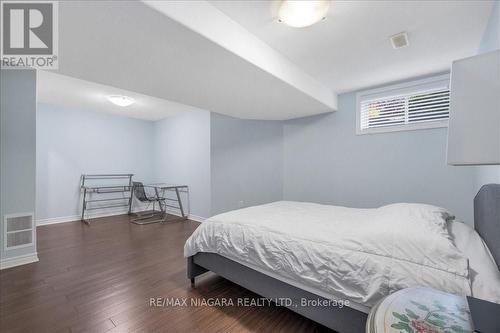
[(180, 202), (131, 188), (84, 205), (162, 209), (130, 201)]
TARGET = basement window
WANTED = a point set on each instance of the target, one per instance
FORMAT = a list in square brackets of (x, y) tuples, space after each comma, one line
[(418, 104)]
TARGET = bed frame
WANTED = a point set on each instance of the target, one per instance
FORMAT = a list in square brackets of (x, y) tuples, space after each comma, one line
[(345, 319)]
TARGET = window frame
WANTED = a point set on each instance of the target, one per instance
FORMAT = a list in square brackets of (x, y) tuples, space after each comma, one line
[(399, 89)]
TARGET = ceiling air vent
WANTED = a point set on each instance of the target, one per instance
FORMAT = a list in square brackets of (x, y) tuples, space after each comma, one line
[(18, 230), (400, 40)]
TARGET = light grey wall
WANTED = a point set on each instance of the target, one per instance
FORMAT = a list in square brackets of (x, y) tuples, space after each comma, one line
[(490, 42), (73, 142), (246, 157), (246, 162), (182, 156), (326, 162), (18, 148)]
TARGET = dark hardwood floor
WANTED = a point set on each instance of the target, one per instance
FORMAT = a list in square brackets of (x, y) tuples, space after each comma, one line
[(100, 278)]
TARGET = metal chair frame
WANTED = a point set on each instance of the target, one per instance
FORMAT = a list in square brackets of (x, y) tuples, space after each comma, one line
[(138, 190)]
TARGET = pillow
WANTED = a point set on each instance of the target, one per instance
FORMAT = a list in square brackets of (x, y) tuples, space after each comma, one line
[(483, 270), (434, 217)]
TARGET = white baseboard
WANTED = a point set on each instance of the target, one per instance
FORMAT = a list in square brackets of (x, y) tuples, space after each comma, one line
[(72, 218), (196, 218), (55, 220), (190, 216), (19, 260)]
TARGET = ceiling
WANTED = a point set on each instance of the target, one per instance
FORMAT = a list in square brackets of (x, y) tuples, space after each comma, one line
[(351, 50), (128, 44), (79, 94), (234, 58)]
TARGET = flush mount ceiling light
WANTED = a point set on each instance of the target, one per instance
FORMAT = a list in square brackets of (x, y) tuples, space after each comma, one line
[(299, 14), (121, 100)]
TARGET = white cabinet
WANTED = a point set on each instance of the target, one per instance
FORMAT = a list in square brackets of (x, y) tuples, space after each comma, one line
[(474, 126)]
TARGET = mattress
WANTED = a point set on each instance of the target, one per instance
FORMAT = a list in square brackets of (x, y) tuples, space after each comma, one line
[(485, 280), (313, 290), (360, 255)]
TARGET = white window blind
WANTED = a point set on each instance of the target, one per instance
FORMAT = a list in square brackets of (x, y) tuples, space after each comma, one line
[(413, 105)]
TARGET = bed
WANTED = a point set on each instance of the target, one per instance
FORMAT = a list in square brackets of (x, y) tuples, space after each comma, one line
[(315, 254)]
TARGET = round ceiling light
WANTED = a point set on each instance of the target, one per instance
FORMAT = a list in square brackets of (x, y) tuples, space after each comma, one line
[(299, 14), (121, 100)]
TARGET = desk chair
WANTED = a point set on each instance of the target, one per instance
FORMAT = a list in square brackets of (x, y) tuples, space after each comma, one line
[(142, 196)]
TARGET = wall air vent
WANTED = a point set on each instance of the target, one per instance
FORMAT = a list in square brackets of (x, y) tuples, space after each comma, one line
[(400, 40), (18, 230)]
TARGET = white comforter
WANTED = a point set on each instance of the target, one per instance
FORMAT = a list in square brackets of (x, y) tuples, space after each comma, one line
[(359, 254)]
